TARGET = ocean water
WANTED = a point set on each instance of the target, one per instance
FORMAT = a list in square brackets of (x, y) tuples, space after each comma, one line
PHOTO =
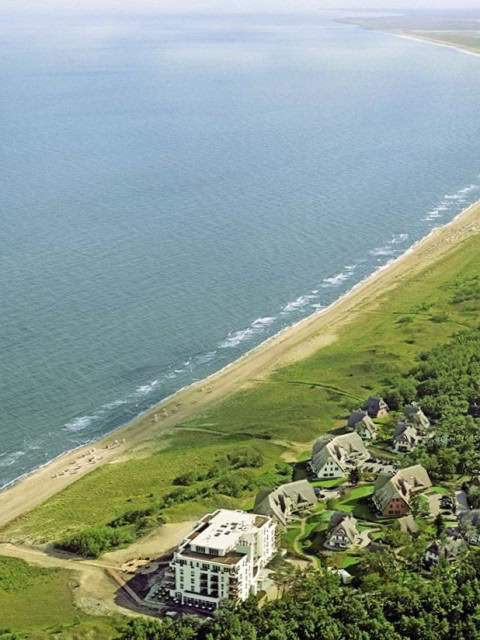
[(175, 190)]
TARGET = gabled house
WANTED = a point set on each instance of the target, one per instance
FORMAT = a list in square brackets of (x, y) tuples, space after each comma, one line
[(376, 407), (469, 525), (392, 494), (342, 531), (334, 457), (415, 416), (284, 501), (405, 438), (447, 550), (361, 423)]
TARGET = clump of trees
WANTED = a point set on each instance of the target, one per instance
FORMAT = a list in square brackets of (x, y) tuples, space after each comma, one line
[(446, 383), (391, 605), (94, 541)]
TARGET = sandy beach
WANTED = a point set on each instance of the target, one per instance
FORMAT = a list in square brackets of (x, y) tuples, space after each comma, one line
[(428, 39), (292, 344)]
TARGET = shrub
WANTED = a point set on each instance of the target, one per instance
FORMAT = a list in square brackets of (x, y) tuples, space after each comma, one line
[(92, 542)]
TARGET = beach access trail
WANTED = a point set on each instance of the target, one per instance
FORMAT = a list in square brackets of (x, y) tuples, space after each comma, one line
[(292, 344)]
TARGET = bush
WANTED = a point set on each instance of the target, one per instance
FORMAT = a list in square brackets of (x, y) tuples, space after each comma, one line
[(92, 542), (131, 517), (440, 317)]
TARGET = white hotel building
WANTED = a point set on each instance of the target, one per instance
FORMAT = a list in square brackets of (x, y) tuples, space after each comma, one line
[(222, 558)]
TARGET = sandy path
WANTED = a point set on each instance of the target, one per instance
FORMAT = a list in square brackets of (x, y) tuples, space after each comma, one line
[(93, 590), (292, 344)]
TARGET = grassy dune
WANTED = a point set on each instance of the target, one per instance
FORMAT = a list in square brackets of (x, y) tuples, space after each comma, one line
[(39, 602), (296, 403)]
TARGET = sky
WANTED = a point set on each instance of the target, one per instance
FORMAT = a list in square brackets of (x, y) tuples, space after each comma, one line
[(220, 6)]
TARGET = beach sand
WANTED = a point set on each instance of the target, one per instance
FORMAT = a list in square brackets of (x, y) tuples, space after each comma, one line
[(292, 344)]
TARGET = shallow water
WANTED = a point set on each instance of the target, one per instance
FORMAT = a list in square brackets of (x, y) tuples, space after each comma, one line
[(175, 190)]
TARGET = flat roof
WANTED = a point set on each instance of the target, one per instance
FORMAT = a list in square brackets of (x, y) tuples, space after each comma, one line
[(222, 529)]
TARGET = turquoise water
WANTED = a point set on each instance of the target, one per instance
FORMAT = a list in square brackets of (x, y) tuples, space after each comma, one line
[(176, 190)]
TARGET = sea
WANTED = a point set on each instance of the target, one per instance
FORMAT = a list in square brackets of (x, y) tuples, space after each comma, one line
[(176, 189)]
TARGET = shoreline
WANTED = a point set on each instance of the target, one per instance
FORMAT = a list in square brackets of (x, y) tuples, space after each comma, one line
[(291, 344), (440, 43)]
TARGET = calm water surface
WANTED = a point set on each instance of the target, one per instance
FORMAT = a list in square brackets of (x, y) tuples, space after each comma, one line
[(173, 191)]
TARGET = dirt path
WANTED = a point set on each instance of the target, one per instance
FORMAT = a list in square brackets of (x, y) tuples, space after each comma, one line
[(293, 344), (95, 592), (296, 545)]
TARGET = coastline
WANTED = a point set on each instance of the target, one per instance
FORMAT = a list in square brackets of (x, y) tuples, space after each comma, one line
[(440, 43), (289, 345)]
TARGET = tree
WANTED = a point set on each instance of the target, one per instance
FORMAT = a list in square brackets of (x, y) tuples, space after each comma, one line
[(419, 505), (439, 524), (354, 475)]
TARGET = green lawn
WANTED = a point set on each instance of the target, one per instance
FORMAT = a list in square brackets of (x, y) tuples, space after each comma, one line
[(301, 402), (40, 601), (328, 484), (441, 490)]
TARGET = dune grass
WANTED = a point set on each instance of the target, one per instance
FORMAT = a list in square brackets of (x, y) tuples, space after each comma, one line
[(298, 402), (40, 601)]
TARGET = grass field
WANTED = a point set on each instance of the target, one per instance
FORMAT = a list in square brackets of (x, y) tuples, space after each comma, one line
[(298, 402), (39, 602)]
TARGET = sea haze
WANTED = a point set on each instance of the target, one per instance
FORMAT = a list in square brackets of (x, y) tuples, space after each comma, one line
[(175, 190)]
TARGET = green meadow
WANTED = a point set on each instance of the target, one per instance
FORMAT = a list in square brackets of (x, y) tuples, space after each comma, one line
[(296, 403), (39, 603)]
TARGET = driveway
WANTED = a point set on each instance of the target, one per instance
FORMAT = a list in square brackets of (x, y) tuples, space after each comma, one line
[(434, 502)]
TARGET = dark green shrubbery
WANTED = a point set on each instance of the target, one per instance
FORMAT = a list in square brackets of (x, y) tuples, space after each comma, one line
[(92, 542)]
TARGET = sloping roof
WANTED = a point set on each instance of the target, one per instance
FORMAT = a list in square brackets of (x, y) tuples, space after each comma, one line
[(400, 485), (470, 517), (347, 522), (413, 413), (277, 502), (408, 524), (339, 449), (361, 417), (356, 417), (373, 404), (405, 430), (447, 549)]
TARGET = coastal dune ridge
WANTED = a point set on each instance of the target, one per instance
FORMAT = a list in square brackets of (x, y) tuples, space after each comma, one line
[(290, 344)]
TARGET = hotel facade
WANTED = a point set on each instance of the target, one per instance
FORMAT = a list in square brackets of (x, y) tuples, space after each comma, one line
[(222, 558)]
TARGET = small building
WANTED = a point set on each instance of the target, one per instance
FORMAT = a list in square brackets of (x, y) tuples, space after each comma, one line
[(415, 416), (447, 550), (392, 494), (469, 525), (342, 531), (361, 423), (376, 407), (222, 558), (284, 501), (405, 438), (334, 457)]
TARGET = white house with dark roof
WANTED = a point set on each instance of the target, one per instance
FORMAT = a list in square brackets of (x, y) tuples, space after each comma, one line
[(361, 423), (334, 457), (415, 416), (375, 406), (342, 531), (222, 558), (284, 501), (448, 550), (405, 438)]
